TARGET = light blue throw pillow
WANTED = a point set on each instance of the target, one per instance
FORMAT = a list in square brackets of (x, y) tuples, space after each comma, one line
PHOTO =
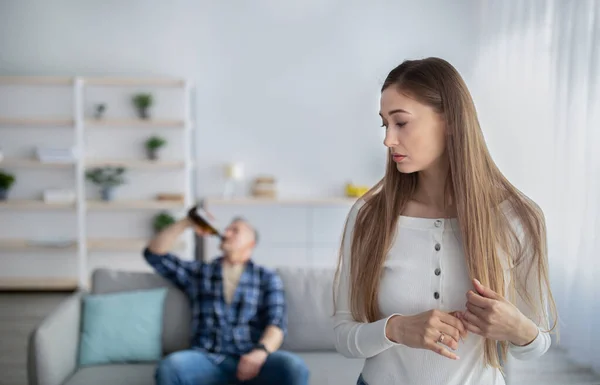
[(122, 327)]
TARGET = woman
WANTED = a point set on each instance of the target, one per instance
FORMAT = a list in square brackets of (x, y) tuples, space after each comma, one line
[(443, 267)]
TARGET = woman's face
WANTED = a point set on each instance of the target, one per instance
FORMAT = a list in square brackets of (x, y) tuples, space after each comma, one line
[(415, 133)]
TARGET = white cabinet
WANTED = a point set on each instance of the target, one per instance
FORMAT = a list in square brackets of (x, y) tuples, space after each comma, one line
[(291, 232)]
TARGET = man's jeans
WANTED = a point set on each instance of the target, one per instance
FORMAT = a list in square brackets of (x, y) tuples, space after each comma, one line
[(193, 367)]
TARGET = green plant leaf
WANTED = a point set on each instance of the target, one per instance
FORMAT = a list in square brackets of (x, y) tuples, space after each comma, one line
[(142, 100), (155, 142), (162, 221), (106, 176), (6, 180)]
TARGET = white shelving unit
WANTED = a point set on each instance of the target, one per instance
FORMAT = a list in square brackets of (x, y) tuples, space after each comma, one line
[(85, 243)]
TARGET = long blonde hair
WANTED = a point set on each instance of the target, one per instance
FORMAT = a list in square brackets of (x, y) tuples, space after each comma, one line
[(475, 185)]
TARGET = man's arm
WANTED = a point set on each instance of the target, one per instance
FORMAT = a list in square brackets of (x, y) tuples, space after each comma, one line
[(163, 242), (272, 338), (166, 264), (276, 328)]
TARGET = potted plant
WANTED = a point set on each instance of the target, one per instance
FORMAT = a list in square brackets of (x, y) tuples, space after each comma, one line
[(143, 102), (107, 178), (99, 111), (162, 221), (153, 144), (6, 182)]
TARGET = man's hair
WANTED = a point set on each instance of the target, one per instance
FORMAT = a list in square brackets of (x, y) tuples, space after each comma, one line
[(252, 228)]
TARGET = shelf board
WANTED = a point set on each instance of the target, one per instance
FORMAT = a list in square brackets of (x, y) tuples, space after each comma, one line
[(18, 204), (32, 163), (38, 284), (135, 123), (134, 205), (37, 80), (136, 164), (122, 244), (30, 244), (281, 201), (33, 122), (132, 82)]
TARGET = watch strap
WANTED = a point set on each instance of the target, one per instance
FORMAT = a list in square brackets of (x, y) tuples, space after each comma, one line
[(262, 347)]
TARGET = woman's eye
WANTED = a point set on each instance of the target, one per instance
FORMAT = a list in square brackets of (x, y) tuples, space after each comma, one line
[(401, 124)]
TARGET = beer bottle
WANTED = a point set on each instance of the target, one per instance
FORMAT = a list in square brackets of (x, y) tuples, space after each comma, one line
[(200, 218)]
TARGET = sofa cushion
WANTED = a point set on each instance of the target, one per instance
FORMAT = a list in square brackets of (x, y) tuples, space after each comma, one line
[(308, 292), (122, 327), (114, 375), (177, 315)]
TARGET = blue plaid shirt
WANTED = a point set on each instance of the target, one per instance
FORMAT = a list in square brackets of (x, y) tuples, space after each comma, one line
[(218, 328)]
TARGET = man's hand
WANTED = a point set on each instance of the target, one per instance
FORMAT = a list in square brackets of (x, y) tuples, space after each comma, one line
[(250, 364)]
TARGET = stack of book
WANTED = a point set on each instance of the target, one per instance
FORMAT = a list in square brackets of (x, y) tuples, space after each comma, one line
[(59, 196), (55, 155), (170, 197)]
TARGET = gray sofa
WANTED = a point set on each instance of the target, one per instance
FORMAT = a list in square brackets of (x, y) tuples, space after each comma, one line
[(53, 346)]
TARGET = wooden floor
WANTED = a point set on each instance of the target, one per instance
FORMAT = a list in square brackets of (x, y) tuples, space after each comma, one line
[(21, 312)]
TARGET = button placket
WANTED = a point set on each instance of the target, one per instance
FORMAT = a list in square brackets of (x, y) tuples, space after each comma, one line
[(437, 250)]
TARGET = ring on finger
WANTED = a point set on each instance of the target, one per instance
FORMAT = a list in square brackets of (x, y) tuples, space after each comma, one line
[(441, 339)]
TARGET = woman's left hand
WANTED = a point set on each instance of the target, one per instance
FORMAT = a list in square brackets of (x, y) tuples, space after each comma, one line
[(492, 316)]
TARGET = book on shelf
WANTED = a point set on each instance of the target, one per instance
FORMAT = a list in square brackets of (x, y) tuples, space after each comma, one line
[(58, 196), (55, 155)]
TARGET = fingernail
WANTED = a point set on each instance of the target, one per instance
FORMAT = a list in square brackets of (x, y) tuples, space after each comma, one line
[(457, 357), (476, 280)]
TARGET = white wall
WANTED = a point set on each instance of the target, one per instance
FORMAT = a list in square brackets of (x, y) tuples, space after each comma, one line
[(288, 88)]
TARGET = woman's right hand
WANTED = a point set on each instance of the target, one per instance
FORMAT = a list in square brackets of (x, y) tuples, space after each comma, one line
[(423, 331)]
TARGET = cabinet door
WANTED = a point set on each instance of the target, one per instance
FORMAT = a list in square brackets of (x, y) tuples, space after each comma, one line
[(282, 232), (276, 224), (327, 223)]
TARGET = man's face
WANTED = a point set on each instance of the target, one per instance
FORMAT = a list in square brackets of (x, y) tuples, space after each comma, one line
[(238, 239)]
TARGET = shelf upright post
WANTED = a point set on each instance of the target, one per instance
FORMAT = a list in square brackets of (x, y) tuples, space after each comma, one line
[(78, 110)]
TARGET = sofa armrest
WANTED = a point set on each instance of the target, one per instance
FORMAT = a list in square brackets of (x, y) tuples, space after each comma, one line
[(53, 345)]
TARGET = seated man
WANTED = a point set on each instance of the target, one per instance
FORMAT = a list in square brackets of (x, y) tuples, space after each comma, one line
[(239, 314)]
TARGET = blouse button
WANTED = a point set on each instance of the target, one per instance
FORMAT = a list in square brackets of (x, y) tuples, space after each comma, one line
[(438, 223), (436, 295), (438, 271), (438, 247)]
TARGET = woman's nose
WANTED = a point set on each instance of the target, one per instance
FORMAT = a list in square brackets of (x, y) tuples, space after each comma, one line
[(390, 139)]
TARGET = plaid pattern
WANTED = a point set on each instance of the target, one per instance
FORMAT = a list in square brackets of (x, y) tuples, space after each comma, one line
[(218, 328)]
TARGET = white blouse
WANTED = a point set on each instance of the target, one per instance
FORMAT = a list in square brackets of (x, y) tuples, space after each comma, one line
[(410, 285)]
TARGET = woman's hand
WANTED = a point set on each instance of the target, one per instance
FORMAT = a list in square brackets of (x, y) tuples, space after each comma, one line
[(423, 331), (492, 316)]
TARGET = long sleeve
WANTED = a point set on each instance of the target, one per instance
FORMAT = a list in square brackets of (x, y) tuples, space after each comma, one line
[(173, 269), (355, 339), (274, 300), (527, 277)]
